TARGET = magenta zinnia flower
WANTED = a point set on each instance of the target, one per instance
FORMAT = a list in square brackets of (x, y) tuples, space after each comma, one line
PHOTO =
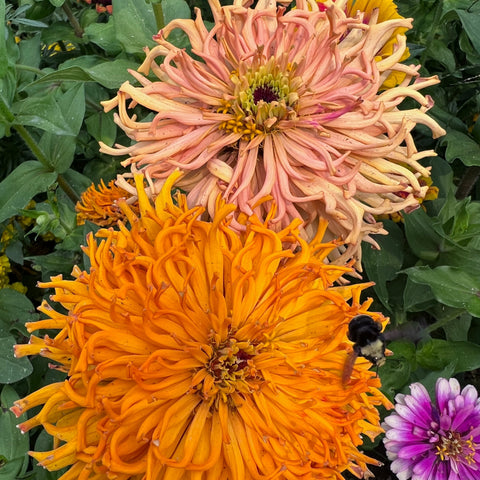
[(435, 441), (283, 105)]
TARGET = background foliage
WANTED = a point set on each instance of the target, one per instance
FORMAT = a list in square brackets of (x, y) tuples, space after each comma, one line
[(60, 58)]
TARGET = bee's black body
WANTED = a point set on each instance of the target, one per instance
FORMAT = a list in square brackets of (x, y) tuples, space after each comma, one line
[(368, 342)]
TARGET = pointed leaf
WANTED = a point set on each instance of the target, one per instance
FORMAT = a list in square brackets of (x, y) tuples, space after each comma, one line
[(28, 179), (13, 369), (451, 286), (41, 112)]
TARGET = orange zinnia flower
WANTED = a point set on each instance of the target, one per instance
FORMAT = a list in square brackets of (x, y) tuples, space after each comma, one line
[(196, 352), (101, 206), (282, 104)]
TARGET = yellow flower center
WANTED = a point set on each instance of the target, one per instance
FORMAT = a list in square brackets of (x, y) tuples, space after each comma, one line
[(453, 447), (230, 369), (265, 94)]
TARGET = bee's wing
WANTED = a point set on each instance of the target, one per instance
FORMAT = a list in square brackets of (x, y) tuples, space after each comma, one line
[(348, 367)]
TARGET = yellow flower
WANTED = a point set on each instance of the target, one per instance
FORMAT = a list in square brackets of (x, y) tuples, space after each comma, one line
[(196, 352), (5, 269), (7, 236), (387, 10), (18, 286), (101, 206)]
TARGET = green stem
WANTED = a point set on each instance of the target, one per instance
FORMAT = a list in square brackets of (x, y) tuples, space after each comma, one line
[(77, 28), (32, 145), (159, 18), (467, 182), (27, 68), (447, 319), (65, 186)]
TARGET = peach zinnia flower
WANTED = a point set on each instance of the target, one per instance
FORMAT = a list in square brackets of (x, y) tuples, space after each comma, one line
[(387, 10), (285, 104), (100, 205), (196, 352)]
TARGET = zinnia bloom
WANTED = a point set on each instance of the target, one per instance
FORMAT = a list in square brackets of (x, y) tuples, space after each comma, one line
[(101, 5), (440, 440), (281, 104), (100, 206), (387, 10), (196, 352)]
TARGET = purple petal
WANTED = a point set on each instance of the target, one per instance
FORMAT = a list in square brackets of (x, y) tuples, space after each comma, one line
[(465, 472), (470, 394), (402, 468), (413, 450), (410, 416), (445, 422), (462, 416), (443, 471), (424, 468), (446, 390), (396, 421), (419, 402)]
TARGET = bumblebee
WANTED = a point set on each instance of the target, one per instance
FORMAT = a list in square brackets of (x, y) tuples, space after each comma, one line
[(368, 342)]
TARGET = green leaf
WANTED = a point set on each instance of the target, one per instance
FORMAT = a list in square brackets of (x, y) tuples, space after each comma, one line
[(13, 369), (470, 21), (76, 181), (451, 286), (59, 261), (417, 298), (14, 445), (461, 146), (102, 128), (57, 3), (3, 43), (421, 236), (437, 354), (42, 112), (382, 265), (15, 310), (395, 373), (173, 9), (60, 150), (108, 74), (70, 74), (112, 74), (458, 328), (440, 52), (28, 179), (29, 57), (134, 24), (103, 35)]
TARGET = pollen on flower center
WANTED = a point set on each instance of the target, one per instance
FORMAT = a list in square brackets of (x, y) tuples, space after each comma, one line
[(453, 447), (264, 95), (229, 368)]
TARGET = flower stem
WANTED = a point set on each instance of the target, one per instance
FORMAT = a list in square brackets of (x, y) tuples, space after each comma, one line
[(158, 11), (28, 68), (65, 186), (32, 145), (73, 21), (41, 157), (467, 182)]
